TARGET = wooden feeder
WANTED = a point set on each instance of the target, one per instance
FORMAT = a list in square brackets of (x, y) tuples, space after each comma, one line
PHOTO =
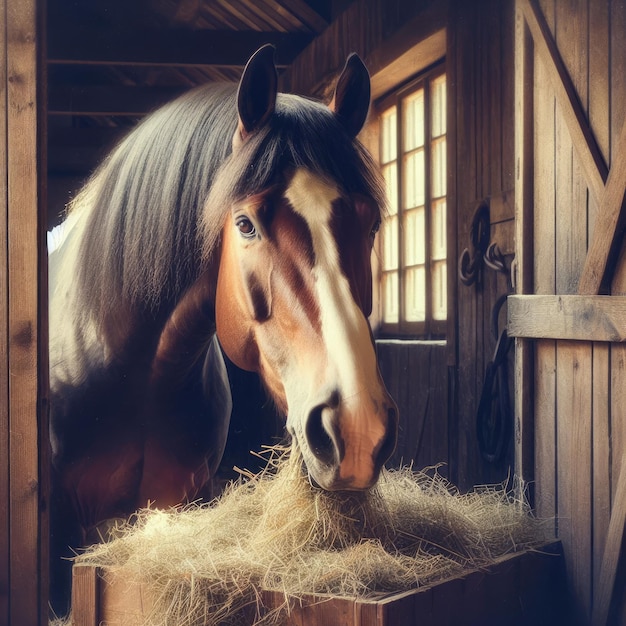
[(525, 588)]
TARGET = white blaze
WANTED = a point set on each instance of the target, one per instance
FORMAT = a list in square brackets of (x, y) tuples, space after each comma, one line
[(345, 331)]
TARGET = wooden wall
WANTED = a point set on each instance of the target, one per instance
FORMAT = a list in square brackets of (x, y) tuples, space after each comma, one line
[(571, 148), (481, 116), (23, 579), (415, 375)]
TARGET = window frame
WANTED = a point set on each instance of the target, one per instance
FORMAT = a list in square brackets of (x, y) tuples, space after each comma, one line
[(429, 328)]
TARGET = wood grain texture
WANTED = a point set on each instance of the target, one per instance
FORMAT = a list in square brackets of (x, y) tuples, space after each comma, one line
[(584, 318), (544, 402), (601, 451), (23, 327), (573, 386), (611, 212), (524, 150), (4, 322), (85, 595), (571, 110)]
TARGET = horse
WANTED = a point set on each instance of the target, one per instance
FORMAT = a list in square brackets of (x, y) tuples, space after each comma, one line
[(233, 223)]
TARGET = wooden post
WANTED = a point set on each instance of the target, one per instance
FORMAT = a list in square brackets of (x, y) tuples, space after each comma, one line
[(23, 529), (524, 431)]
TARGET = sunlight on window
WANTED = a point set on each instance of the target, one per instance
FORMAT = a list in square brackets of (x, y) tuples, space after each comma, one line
[(413, 132), (413, 244), (415, 300)]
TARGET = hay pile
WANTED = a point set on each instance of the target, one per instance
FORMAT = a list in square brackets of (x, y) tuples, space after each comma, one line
[(206, 564)]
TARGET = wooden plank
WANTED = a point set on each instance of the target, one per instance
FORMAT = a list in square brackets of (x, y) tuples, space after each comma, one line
[(611, 212), (470, 370), (4, 324), (584, 318), (23, 327), (507, 95), (537, 390), (85, 595), (523, 272), (589, 154), (601, 476), (618, 448), (542, 193), (599, 78), (572, 214), (574, 471), (544, 402)]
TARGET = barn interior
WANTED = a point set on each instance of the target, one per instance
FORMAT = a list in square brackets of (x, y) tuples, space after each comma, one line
[(502, 341)]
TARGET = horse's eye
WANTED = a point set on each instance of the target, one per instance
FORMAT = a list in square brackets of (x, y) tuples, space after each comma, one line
[(375, 229), (246, 227)]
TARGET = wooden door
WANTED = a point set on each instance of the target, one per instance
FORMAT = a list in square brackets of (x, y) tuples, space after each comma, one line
[(569, 316)]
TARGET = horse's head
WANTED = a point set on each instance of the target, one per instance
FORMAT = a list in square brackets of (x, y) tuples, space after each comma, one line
[(295, 281)]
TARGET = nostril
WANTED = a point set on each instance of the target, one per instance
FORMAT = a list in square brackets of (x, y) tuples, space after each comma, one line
[(320, 441), (388, 444)]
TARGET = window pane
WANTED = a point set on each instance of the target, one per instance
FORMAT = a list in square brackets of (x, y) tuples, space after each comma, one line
[(413, 132), (440, 307), (414, 237), (389, 135), (390, 243), (414, 180), (438, 230), (415, 294), (438, 105), (390, 174), (439, 167), (390, 298)]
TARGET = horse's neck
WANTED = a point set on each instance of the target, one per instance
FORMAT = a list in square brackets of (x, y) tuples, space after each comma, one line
[(187, 331)]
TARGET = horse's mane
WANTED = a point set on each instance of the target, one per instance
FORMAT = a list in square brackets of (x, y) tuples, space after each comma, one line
[(155, 207)]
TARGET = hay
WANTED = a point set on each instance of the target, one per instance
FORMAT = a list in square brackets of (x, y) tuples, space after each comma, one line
[(206, 564)]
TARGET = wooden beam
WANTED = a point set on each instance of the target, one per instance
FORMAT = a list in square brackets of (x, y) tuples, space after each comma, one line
[(611, 212), (176, 48), (5, 465), (304, 11), (584, 318), (23, 267), (589, 154), (118, 100)]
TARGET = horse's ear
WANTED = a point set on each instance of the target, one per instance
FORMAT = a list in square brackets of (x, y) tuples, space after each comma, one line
[(256, 98), (351, 101)]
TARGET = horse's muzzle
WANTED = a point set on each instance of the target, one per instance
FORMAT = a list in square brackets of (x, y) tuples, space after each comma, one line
[(346, 445)]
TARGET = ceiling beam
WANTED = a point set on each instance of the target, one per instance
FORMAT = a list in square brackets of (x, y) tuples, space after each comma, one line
[(175, 48), (304, 11)]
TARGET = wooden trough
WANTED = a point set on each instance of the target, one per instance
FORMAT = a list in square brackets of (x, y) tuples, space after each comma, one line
[(525, 588)]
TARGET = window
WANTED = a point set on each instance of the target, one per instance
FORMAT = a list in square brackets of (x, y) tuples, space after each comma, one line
[(413, 242)]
